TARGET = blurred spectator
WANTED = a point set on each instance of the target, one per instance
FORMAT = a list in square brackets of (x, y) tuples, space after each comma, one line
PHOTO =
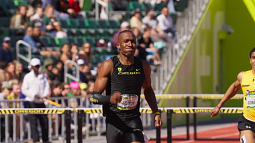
[(15, 94), (136, 32), (124, 26), (146, 43), (50, 20), (75, 91), (83, 87), (47, 69), (44, 51), (86, 47), (140, 51), (2, 72), (59, 70), (66, 90), (101, 43), (98, 66), (29, 14), (136, 21), (60, 33), (81, 64), (36, 3), (45, 3), (29, 39), (63, 9), (91, 85), (38, 20), (56, 92), (18, 71), (32, 38), (87, 73), (66, 55), (148, 19), (165, 23), (5, 53), (118, 6), (75, 5), (103, 14), (10, 71), (74, 52), (36, 88), (18, 20), (5, 91)]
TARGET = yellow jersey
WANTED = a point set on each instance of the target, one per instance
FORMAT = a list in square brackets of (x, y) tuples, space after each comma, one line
[(248, 88), (11, 98)]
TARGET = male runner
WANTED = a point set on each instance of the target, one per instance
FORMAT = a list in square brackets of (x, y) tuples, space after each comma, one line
[(123, 77), (246, 124)]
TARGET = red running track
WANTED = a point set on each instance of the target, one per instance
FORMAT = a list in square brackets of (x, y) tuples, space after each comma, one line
[(225, 132)]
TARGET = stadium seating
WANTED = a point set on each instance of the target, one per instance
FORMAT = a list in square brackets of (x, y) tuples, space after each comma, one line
[(84, 30)]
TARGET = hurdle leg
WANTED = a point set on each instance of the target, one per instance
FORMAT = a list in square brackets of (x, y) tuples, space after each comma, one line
[(68, 126), (80, 120), (169, 126)]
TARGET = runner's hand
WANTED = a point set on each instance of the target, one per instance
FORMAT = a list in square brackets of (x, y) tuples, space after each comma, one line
[(157, 121), (215, 111), (115, 98)]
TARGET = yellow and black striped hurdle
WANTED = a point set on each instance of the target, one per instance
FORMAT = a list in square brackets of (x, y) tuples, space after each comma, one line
[(179, 110)]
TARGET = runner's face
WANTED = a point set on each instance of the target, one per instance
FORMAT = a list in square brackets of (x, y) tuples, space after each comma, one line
[(127, 44), (252, 60)]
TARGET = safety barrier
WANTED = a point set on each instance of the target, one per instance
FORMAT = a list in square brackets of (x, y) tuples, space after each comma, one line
[(193, 110), (81, 111), (97, 123), (193, 97)]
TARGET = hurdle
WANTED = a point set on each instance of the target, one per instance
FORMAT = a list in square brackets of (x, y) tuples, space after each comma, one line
[(195, 110), (193, 97), (66, 111)]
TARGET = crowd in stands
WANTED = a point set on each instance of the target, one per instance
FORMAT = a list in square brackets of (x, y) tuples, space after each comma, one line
[(41, 18)]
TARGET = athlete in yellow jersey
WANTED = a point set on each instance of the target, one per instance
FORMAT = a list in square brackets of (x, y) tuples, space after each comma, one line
[(246, 80)]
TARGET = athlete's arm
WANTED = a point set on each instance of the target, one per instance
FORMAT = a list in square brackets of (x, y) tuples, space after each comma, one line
[(105, 71), (149, 94), (232, 90)]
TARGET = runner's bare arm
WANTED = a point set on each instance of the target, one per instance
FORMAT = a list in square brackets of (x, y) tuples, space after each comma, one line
[(150, 95), (232, 90), (148, 91), (105, 71)]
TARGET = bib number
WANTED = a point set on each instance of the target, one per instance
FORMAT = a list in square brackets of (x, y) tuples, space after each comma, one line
[(128, 102), (250, 101)]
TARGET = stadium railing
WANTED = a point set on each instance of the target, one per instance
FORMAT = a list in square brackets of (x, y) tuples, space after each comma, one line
[(173, 54), (70, 76)]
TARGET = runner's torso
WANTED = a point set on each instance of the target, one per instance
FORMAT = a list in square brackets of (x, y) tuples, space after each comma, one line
[(248, 88), (128, 80)]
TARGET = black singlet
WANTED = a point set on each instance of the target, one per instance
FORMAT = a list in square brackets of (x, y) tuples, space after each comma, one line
[(126, 79)]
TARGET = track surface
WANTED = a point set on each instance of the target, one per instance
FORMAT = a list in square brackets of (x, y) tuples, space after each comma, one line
[(225, 132)]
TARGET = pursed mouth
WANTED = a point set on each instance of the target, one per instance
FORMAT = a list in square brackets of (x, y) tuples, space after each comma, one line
[(130, 48)]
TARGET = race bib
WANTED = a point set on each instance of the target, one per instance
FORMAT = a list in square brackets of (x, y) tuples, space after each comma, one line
[(250, 100), (128, 102)]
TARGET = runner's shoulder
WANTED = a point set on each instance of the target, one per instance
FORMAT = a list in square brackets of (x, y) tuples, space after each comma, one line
[(240, 75), (106, 66), (146, 66)]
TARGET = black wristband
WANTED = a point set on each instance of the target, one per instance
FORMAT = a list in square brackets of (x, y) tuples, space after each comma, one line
[(98, 98)]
